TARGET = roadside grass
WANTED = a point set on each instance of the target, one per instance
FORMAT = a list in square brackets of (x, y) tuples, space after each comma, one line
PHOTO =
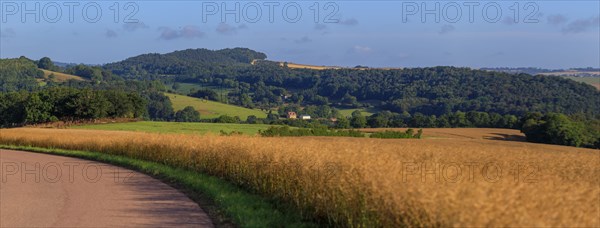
[(211, 109), (178, 127), (226, 204)]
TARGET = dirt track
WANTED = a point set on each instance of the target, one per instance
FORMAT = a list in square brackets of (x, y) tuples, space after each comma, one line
[(39, 190)]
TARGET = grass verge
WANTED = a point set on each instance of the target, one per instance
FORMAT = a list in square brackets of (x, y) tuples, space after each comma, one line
[(226, 204)]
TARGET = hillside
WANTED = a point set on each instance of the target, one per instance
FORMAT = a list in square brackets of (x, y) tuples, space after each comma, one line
[(183, 62), (19, 74), (430, 91), (211, 109), (61, 77)]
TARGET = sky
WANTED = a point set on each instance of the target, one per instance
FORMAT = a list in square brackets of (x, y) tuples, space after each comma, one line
[(546, 34)]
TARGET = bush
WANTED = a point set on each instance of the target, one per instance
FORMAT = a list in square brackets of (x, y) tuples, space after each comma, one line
[(188, 114), (227, 119), (320, 131), (408, 134)]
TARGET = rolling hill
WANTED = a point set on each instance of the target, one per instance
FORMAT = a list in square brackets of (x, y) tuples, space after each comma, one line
[(211, 109), (429, 91)]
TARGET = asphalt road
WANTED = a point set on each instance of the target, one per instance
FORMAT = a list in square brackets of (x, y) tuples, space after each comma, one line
[(39, 190)]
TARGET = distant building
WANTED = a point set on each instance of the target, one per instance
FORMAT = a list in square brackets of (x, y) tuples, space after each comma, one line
[(305, 117), (292, 115)]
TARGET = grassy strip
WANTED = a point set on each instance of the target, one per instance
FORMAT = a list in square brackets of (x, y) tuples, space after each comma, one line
[(232, 205)]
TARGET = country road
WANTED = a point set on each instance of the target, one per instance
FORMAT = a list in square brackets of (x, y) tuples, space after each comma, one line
[(40, 190)]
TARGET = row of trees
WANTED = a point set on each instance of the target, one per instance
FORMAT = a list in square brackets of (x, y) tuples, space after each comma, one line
[(457, 119), (69, 104), (554, 128)]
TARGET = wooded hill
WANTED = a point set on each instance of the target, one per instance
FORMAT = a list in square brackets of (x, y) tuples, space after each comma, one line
[(430, 91)]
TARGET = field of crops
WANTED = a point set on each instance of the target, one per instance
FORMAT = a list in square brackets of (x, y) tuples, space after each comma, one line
[(211, 109), (462, 133), (365, 182), (61, 77), (177, 127)]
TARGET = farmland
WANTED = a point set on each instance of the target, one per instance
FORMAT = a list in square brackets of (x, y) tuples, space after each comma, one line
[(61, 77), (374, 182), (365, 112), (212, 109), (594, 81), (177, 127), (462, 133)]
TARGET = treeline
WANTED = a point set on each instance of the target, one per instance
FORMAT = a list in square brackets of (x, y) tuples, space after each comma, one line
[(68, 104), (457, 119), (408, 134), (554, 128), (314, 131)]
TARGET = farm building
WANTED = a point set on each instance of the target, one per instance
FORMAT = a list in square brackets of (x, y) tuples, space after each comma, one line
[(305, 117), (291, 115)]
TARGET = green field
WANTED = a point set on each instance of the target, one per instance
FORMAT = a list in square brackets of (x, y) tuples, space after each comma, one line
[(594, 81), (365, 112), (179, 128), (186, 88), (212, 109)]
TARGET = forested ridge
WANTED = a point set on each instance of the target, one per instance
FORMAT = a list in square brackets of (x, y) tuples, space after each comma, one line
[(430, 91)]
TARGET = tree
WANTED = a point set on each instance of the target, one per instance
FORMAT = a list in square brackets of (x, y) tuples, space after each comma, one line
[(159, 106), (176, 86), (207, 94), (554, 128), (343, 123), (252, 119), (36, 110), (349, 100), (358, 120), (187, 114), (46, 64), (227, 119)]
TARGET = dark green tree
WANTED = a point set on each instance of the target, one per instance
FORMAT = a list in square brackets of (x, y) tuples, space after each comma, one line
[(187, 114)]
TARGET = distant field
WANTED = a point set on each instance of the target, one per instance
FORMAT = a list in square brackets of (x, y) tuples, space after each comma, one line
[(61, 77), (179, 128), (365, 112), (462, 133), (185, 88), (304, 66), (594, 81), (212, 109)]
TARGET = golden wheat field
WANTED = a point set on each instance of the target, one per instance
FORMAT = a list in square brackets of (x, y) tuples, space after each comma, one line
[(462, 133), (361, 182)]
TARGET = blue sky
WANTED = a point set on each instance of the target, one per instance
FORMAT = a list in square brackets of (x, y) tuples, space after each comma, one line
[(548, 34)]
